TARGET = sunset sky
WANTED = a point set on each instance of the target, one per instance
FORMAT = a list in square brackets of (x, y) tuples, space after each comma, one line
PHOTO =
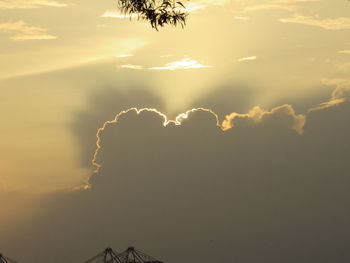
[(227, 140)]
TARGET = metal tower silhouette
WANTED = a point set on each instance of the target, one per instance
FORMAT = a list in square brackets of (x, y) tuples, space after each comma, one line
[(4, 259), (131, 255), (107, 256)]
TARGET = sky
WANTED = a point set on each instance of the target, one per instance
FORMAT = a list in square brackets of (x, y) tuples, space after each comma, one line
[(225, 140)]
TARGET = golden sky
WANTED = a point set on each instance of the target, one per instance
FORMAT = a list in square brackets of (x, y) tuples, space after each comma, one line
[(258, 67), (55, 54)]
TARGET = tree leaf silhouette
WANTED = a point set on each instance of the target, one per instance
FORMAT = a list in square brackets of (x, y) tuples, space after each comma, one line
[(157, 12)]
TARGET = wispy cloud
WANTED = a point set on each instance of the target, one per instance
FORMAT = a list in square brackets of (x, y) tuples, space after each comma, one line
[(340, 94), (247, 58), (289, 5), (166, 55), (193, 6), (206, 3), (344, 52), (117, 14), (23, 4), (124, 55), (338, 23), (270, 6), (130, 66), (241, 18), (344, 67), (22, 31), (185, 63)]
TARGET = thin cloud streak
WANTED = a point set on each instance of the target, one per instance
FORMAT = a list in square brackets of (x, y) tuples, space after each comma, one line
[(182, 64), (242, 18), (289, 5), (339, 95), (117, 14), (191, 7), (185, 63), (124, 55), (30, 4), (247, 58), (344, 52), (339, 23), (22, 31), (130, 66)]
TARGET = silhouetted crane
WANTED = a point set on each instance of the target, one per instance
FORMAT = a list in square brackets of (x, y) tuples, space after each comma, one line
[(4, 259), (107, 256), (131, 255)]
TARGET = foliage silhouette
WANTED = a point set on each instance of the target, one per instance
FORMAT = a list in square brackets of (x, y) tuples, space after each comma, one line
[(157, 12)]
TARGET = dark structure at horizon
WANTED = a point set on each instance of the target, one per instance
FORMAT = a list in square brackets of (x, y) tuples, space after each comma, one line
[(130, 255), (4, 259)]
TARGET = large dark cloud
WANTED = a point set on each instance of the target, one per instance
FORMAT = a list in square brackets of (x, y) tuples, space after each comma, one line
[(105, 104), (259, 192)]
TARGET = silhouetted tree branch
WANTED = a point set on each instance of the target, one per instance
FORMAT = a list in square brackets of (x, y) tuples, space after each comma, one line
[(157, 12)]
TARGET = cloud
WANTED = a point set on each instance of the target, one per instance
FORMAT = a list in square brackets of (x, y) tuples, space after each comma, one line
[(117, 14), (185, 63), (166, 55), (166, 187), (241, 18), (342, 90), (104, 104), (28, 4), (22, 31), (124, 55), (289, 5), (344, 67), (270, 6), (193, 6), (344, 52), (177, 122), (130, 66), (206, 3), (339, 23), (259, 115), (340, 94), (247, 58), (256, 115)]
